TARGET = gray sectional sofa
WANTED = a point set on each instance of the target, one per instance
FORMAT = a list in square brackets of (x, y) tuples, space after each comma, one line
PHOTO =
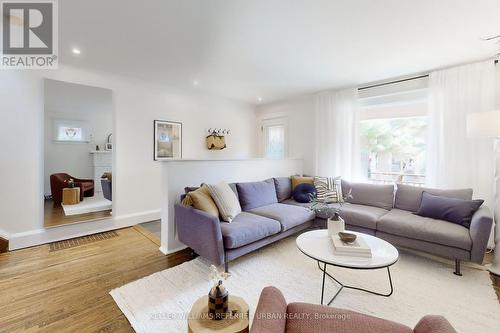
[(270, 214)]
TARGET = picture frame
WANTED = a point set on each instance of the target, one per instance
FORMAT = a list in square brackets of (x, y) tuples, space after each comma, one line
[(167, 140)]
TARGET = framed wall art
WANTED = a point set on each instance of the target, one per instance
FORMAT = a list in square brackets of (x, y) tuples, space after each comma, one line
[(167, 140)]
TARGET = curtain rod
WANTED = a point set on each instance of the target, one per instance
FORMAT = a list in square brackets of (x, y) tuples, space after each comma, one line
[(395, 81), (402, 80)]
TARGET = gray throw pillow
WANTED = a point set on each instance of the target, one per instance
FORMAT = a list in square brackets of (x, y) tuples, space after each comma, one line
[(453, 210)]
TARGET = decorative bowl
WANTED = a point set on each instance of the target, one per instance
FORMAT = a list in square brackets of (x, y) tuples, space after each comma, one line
[(347, 237)]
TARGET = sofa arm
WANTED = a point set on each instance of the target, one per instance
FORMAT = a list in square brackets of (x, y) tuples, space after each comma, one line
[(434, 324), (480, 230), (201, 232), (270, 315)]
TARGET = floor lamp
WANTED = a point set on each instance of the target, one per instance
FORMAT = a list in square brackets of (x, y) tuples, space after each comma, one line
[(487, 125)]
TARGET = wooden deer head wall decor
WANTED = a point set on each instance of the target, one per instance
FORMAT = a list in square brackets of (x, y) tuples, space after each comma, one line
[(216, 139)]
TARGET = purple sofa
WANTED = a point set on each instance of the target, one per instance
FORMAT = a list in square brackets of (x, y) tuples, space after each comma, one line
[(269, 214), (273, 314), (264, 220)]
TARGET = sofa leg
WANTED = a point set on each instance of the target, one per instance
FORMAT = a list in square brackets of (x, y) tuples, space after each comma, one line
[(226, 267), (457, 268)]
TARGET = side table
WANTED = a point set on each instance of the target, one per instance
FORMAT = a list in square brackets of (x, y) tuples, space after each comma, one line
[(237, 321), (71, 195)]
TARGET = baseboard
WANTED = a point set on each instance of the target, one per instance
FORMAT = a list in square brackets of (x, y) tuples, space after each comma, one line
[(167, 252), (49, 235)]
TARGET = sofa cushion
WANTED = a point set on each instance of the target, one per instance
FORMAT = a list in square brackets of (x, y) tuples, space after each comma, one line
[(226, 200), (247, 228), (449, 209), (292, 202), (406, 224), (289, 216), (283, 188), (296, 180), (409, 197), (256, 194), (375, 195), (304, 193), (201, 199), (362, 216), (235, 190)]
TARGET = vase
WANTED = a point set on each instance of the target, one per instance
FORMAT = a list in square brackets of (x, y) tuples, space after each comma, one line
[(335, 225), (218, 302)]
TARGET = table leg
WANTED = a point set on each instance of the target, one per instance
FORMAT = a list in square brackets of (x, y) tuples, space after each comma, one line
[(323, 285), (342, 286)]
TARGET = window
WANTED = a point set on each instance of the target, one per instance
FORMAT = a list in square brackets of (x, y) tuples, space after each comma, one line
[(274, 134), (394, 149), (66, 133), (393, 131), (70, 130)]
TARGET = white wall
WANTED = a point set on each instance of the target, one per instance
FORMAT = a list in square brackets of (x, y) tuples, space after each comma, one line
[(179, 174), (137, 192), (300, 114)]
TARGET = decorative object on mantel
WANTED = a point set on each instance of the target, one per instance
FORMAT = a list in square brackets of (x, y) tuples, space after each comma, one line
[(167, 140), (109, 144), (216, 139), (218, 297)]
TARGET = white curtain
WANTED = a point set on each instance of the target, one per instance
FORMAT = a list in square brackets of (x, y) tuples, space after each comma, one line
[(453, 159), (337, 151)]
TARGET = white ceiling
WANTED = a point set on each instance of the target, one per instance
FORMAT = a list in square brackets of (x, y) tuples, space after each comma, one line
[(276, 49)]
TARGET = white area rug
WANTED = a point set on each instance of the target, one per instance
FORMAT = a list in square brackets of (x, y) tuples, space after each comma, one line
[(96, 203), (422, 286)]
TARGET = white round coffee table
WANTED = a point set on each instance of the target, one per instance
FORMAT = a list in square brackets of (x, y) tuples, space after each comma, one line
[(318, 245)]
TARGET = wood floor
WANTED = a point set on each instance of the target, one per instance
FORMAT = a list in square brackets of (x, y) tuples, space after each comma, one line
[(67, 290), (54, 215)]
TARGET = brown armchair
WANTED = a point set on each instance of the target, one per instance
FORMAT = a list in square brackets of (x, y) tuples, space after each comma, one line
[(58, 181)]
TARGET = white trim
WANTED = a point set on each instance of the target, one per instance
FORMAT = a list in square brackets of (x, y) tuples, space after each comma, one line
[(167, 252), (43, 236)]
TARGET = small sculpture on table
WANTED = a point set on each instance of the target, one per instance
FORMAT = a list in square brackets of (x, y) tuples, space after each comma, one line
[(218, 297)]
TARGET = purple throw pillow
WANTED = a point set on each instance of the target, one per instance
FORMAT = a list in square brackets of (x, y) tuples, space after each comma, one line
[(453, 210)]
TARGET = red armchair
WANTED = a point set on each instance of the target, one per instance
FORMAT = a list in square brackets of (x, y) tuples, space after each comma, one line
[(273, 314), (58, 181)]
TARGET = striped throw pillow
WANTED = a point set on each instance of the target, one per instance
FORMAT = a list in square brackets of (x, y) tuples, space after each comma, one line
[(328, 189)]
